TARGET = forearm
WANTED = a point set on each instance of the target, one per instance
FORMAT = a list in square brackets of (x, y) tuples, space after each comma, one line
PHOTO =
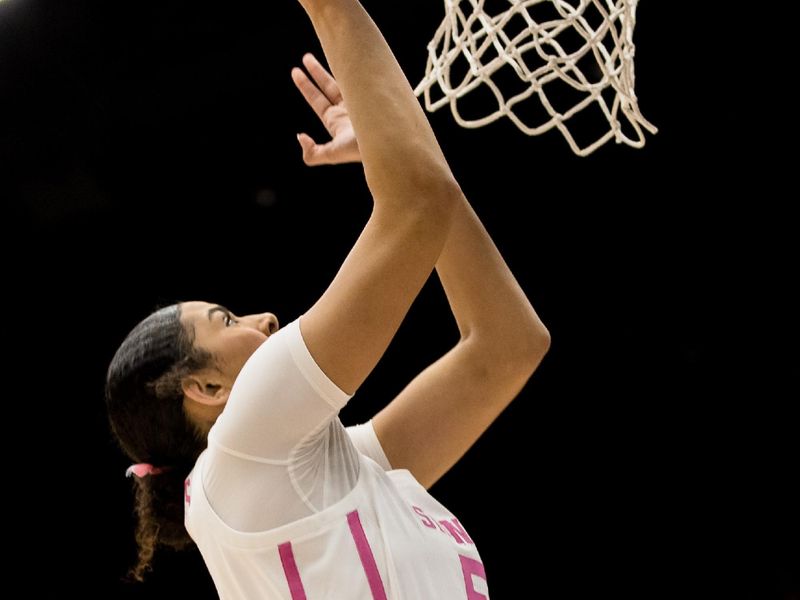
[(429, 426), (349, 328), (487, 301), (398, 147)]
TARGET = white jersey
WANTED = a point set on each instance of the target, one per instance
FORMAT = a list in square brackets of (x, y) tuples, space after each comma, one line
[(288, 504)]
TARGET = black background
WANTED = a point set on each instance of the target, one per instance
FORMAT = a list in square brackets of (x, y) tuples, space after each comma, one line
[(148, 155)]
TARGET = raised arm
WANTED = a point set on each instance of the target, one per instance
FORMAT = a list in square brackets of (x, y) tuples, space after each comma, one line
[(429, 426), (350, 327), (444, 410)]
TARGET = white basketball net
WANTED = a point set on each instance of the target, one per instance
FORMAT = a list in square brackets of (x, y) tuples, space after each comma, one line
[(544, 44)]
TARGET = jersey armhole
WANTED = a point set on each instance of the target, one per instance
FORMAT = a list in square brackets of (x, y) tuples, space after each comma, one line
[(367, 443)]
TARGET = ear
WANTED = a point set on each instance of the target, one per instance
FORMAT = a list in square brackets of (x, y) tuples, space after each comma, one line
[(206, 389)]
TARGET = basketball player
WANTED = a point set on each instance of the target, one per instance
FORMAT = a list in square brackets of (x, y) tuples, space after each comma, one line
[(232, 421)]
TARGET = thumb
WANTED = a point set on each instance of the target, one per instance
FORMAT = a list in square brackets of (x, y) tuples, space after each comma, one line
[(309, 147)]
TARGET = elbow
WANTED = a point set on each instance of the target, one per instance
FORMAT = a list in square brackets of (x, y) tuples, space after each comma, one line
[(534, 348), (541, 345), (512, 356), (424, 204), (436, 177), (415, 179), (539, 337), (525, 350), (433, 187), (439, 183)]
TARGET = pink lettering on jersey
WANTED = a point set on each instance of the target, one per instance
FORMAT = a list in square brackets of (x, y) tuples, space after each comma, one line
[(472, 567), (426, 520), (456, 529), (290, 572), (186, 483), (367, 558)]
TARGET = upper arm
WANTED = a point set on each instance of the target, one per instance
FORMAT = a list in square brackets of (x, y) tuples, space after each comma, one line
[(349, 328), (432, 423), (279, 398)]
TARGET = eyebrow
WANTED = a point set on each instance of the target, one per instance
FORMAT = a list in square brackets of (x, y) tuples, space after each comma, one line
[(218, 308)]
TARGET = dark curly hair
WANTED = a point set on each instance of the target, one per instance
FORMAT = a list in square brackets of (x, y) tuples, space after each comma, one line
[(145, 409)]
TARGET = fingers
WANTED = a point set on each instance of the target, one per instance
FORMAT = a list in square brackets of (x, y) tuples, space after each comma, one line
[(315, 98), (324, 80), (321, 93)]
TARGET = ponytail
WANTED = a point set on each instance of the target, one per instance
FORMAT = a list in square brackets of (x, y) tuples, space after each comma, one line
[(144, 399)]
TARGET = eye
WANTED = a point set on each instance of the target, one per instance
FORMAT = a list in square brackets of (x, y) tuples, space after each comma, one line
[(229, 320)]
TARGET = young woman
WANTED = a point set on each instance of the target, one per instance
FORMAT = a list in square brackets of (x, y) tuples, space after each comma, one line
[(233, 422)]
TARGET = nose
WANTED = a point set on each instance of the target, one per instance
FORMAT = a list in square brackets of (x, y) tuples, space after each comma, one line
[(268, 323)]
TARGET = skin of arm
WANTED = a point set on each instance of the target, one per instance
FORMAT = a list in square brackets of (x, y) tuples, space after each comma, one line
[(349, 328), (429, 426), (432, 423)]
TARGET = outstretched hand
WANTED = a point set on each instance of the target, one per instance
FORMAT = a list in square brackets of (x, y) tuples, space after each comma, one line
[(325, 98)]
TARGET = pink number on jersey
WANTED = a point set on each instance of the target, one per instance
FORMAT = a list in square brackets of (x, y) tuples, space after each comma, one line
[(292, 574), (471, 567), (367, 558), (290, 571)]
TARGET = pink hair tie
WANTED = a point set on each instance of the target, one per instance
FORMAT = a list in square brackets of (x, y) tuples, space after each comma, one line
[(142, 470)]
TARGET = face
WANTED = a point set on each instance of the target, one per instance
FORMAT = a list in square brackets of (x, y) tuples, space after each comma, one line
[(230, 339)]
